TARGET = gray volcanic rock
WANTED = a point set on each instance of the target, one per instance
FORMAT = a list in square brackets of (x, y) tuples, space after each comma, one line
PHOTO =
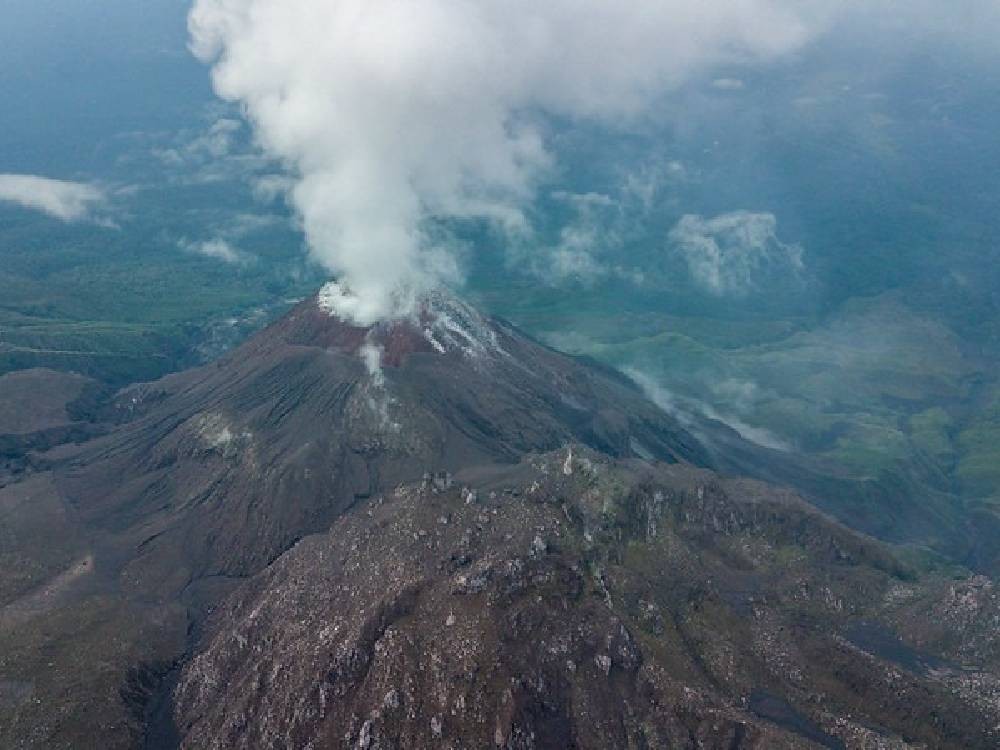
[(221, 469), (203, 478), (40, 409), (573, 602)]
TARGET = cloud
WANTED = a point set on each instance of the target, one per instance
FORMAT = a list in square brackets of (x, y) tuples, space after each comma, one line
[(218, 249), (67, 201), (269, 187), (244, 224), (574, 258), (391, 115), (643, 185), (735, 253), (590, 234), (215, 143), (686, 411), (227, 232), (586, 244), (217, 151)]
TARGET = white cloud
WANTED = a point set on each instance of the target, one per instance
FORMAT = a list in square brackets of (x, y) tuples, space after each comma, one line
[(219, 249), (587, 242), (684, 410), (574, 257), (227, 232), (269, 187), (214, 153), (735, 253), (582, 241), (643, 185), (67, 201), (215, 143), (392, 113)]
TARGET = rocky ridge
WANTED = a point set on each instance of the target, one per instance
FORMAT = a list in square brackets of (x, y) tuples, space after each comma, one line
[(579, 602)]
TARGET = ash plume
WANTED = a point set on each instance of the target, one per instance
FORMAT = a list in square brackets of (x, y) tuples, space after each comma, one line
[(391, 115)]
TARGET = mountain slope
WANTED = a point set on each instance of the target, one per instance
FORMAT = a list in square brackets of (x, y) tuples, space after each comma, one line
[(573, 602), (226, 466), (206, 477)]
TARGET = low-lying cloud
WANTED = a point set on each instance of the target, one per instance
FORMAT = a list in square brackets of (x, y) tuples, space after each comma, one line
[(218, 249), (215, 143), (66, 201), (687, 411), (392, 115), (735, 253)]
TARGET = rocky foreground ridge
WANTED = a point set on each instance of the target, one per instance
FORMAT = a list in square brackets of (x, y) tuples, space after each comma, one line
[(577, 602)]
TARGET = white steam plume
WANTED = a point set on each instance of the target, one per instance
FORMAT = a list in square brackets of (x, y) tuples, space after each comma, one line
[(390, 113)]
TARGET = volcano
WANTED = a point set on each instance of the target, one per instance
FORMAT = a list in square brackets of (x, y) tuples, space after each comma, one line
[(437, 532), (219, 470)]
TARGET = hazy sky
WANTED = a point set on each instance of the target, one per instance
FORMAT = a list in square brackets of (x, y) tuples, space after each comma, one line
[(74, 73)]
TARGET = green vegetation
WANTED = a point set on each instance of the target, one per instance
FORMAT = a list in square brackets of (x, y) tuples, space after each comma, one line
[(978, 446), (884, 391), (129, 304)]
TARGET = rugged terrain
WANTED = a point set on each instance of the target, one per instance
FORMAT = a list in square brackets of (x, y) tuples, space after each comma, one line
[(576, 602), (219, 470), (119, 543), (439, 532)]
